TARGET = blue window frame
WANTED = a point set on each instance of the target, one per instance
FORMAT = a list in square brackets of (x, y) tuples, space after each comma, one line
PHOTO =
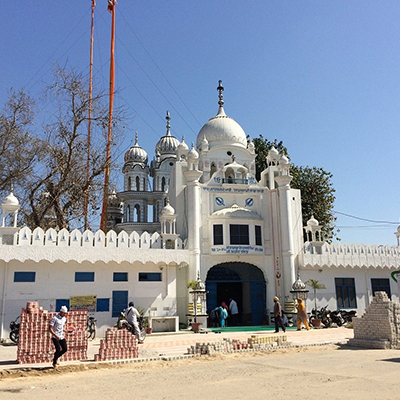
[(258, 235), (346, 293), (84, 276), (381, 285), (103, 305), (120, 277), (24, 276), (62, 302), (119, 301), (218, 232), (150, 277), (239, 234)]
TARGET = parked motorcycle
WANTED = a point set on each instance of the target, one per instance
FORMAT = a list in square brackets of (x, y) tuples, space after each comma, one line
[(122, 323), (323, 314), (348, 315), (337, 317), (14, 330)]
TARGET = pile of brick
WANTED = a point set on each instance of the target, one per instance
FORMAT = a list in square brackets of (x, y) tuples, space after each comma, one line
[(258, 342), (226, 345), (379, 327), (117, 344), (35, 345)]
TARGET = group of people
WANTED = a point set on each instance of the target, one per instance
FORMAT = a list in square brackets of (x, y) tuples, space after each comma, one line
[(220, 314), (301, 315), (219, 317)]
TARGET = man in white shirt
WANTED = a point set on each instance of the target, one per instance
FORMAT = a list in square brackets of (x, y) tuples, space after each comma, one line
[(234, 313), (57, 328), (132, 316)]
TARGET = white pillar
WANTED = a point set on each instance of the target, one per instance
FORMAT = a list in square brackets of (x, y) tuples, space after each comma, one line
[(193, 212), (287, 248)]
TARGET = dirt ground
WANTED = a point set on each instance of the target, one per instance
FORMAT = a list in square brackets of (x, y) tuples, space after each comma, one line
[(316, 372)]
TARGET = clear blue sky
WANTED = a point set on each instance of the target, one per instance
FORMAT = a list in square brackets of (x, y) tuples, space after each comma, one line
[(323, 76)]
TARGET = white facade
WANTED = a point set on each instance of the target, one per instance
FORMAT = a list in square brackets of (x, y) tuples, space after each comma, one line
[(211, 219)]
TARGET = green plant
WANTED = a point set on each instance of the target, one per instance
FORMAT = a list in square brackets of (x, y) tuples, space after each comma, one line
[(316, 285), (192, 284)]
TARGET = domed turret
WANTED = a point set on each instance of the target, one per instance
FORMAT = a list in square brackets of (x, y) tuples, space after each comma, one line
[(182, 149), (168, 210), (10, 200), (312, 221), (193, 155), (168, 144), (222, 130), (136, 155)]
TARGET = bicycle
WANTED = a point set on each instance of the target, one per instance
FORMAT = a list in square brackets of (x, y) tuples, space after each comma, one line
[(91, 327)]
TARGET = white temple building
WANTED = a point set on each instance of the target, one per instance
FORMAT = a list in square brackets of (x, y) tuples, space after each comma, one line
[(206, 217)]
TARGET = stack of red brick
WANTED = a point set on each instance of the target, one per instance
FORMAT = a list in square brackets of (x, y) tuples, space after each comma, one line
[(35, 345), (118, 344)]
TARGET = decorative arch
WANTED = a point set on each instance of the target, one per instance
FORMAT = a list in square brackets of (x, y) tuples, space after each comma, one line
[(243, 282)]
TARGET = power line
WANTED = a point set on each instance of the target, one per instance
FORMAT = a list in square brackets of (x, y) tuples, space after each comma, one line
[(365, 219), (159, 69)]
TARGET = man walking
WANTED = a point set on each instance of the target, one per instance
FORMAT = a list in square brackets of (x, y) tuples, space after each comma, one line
[(57, 330), (278, 315)]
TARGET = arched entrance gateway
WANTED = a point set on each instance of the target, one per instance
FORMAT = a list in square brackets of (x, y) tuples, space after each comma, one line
[(243, 282)]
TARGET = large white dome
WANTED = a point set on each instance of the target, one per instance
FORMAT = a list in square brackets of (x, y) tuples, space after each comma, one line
[(222, 130)]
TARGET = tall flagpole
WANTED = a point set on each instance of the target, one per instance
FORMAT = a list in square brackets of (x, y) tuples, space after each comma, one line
[(103, 222), (87, 193)]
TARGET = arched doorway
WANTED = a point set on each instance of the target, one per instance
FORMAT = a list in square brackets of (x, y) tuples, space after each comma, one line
[(243, 282)]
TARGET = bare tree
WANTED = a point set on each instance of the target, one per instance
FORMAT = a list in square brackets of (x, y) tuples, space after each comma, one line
[(19, 148), (55, 197)]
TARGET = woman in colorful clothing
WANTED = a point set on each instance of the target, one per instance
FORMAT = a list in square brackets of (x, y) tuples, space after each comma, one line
[(301, 315)]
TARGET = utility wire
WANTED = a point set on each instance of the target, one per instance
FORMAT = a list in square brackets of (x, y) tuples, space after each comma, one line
[(159, 69), (364, 219), (54, 52)]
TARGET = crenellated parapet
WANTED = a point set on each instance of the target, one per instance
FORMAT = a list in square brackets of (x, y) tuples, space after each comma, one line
[(349, 255), (51, 238)]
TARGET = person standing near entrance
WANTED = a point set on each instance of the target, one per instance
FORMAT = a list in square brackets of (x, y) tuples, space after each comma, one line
[(278, 315), (234, 313), (57, 330)]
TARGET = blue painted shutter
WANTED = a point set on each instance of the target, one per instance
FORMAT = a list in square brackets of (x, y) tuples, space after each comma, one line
[(119, 301), (258, 297), (211, 295)]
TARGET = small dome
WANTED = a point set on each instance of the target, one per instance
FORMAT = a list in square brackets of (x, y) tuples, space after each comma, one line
[(284, 160), (168, 210), (136, 154), (193, 154), (221, 129), (312, 221), (273, 153), (182, 145), (10, 200), (298, 285), (168, 144)]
